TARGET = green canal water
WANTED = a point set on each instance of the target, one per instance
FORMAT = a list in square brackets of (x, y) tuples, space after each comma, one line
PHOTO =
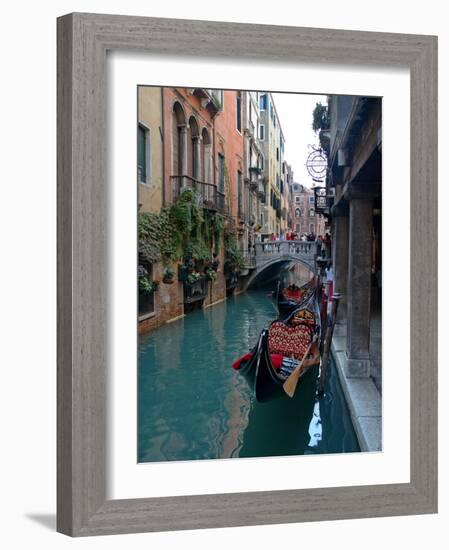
[(193, 405)]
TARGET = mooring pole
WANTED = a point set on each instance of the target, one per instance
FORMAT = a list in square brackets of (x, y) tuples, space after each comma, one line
[(328, 340)]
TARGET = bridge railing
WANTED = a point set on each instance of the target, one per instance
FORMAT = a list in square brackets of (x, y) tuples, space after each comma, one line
[(304, 249)]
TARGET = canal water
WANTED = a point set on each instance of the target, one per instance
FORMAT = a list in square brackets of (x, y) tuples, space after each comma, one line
[(193, 405)]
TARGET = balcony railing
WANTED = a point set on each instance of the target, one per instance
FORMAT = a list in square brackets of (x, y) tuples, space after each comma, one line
[(282, 247), (193, 292), (212, 199)]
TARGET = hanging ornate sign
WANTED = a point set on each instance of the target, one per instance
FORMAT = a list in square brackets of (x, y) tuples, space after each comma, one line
[(321, 200), (316, 164)]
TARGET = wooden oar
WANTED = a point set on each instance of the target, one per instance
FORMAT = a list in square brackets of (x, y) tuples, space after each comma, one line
[(292, 381)]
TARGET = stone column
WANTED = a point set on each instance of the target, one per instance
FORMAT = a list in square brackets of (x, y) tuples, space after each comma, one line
[(340, 245), (196, 169), (359, 287), (207, 163), (183, 153)]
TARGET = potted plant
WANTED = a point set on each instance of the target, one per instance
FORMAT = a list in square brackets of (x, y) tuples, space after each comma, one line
[(145, 285), (169, 276), (154, 286), (193, 277), (211, 274)]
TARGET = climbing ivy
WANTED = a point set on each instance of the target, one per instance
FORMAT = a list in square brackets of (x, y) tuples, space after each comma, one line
[(234, 258), (180, 230)]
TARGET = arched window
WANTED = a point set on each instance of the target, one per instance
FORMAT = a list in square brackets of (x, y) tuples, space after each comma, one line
[(178, 133), (206, 156), (311, 212), (238, 108), (298, 212), (194, 148)]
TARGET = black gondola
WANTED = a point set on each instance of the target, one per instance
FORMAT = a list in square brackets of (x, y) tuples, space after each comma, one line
[(279, 350), (292, 297)]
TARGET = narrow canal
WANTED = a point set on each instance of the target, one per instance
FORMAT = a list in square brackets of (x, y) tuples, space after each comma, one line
[(193, 405)]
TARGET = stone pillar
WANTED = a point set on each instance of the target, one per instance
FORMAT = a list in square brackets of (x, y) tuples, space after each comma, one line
[(196, 168), (183, 152), (340, 245), (208, 163), (359, 287)]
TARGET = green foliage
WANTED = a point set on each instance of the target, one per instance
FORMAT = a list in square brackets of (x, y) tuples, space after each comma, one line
[(193, 277), (196, 249), (181, 229), (149, 229), (233, 256), (211, 274), (217, 227), (320, 117), (146, 286)]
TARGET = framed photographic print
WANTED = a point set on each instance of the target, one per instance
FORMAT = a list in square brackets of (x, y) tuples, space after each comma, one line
[(235, 299)]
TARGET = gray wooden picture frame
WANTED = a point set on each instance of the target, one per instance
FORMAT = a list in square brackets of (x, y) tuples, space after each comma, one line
[(83, 40)]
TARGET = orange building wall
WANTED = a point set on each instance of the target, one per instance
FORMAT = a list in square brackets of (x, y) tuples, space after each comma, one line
[(230, 141)]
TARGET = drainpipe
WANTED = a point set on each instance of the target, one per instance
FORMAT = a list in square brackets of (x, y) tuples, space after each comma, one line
[(164, 179)]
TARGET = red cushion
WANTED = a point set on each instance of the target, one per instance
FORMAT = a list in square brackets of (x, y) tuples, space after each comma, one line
[(276, 360), (237, 364), (293, 294), (288, 341)]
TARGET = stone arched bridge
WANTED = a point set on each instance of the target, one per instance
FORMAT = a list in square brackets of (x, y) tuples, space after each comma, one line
[(269, 253)]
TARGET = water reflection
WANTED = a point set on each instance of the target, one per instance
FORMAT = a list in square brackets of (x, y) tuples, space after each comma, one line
[(315, 426)]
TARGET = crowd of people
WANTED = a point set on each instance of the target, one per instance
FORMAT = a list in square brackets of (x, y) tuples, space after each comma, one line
[(273, 241), (292, 236)]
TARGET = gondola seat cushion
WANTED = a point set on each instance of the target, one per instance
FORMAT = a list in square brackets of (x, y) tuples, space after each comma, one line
[(276, 361), (303, 316), (288, 341), (292, 294)]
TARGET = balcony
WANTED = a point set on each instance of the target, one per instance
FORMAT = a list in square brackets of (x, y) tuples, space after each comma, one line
[(210, 99), (196, 291), (261, 190), (212, 199), (255, 170)]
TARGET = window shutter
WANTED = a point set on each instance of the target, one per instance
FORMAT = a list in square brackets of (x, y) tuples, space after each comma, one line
[(141, 154)]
